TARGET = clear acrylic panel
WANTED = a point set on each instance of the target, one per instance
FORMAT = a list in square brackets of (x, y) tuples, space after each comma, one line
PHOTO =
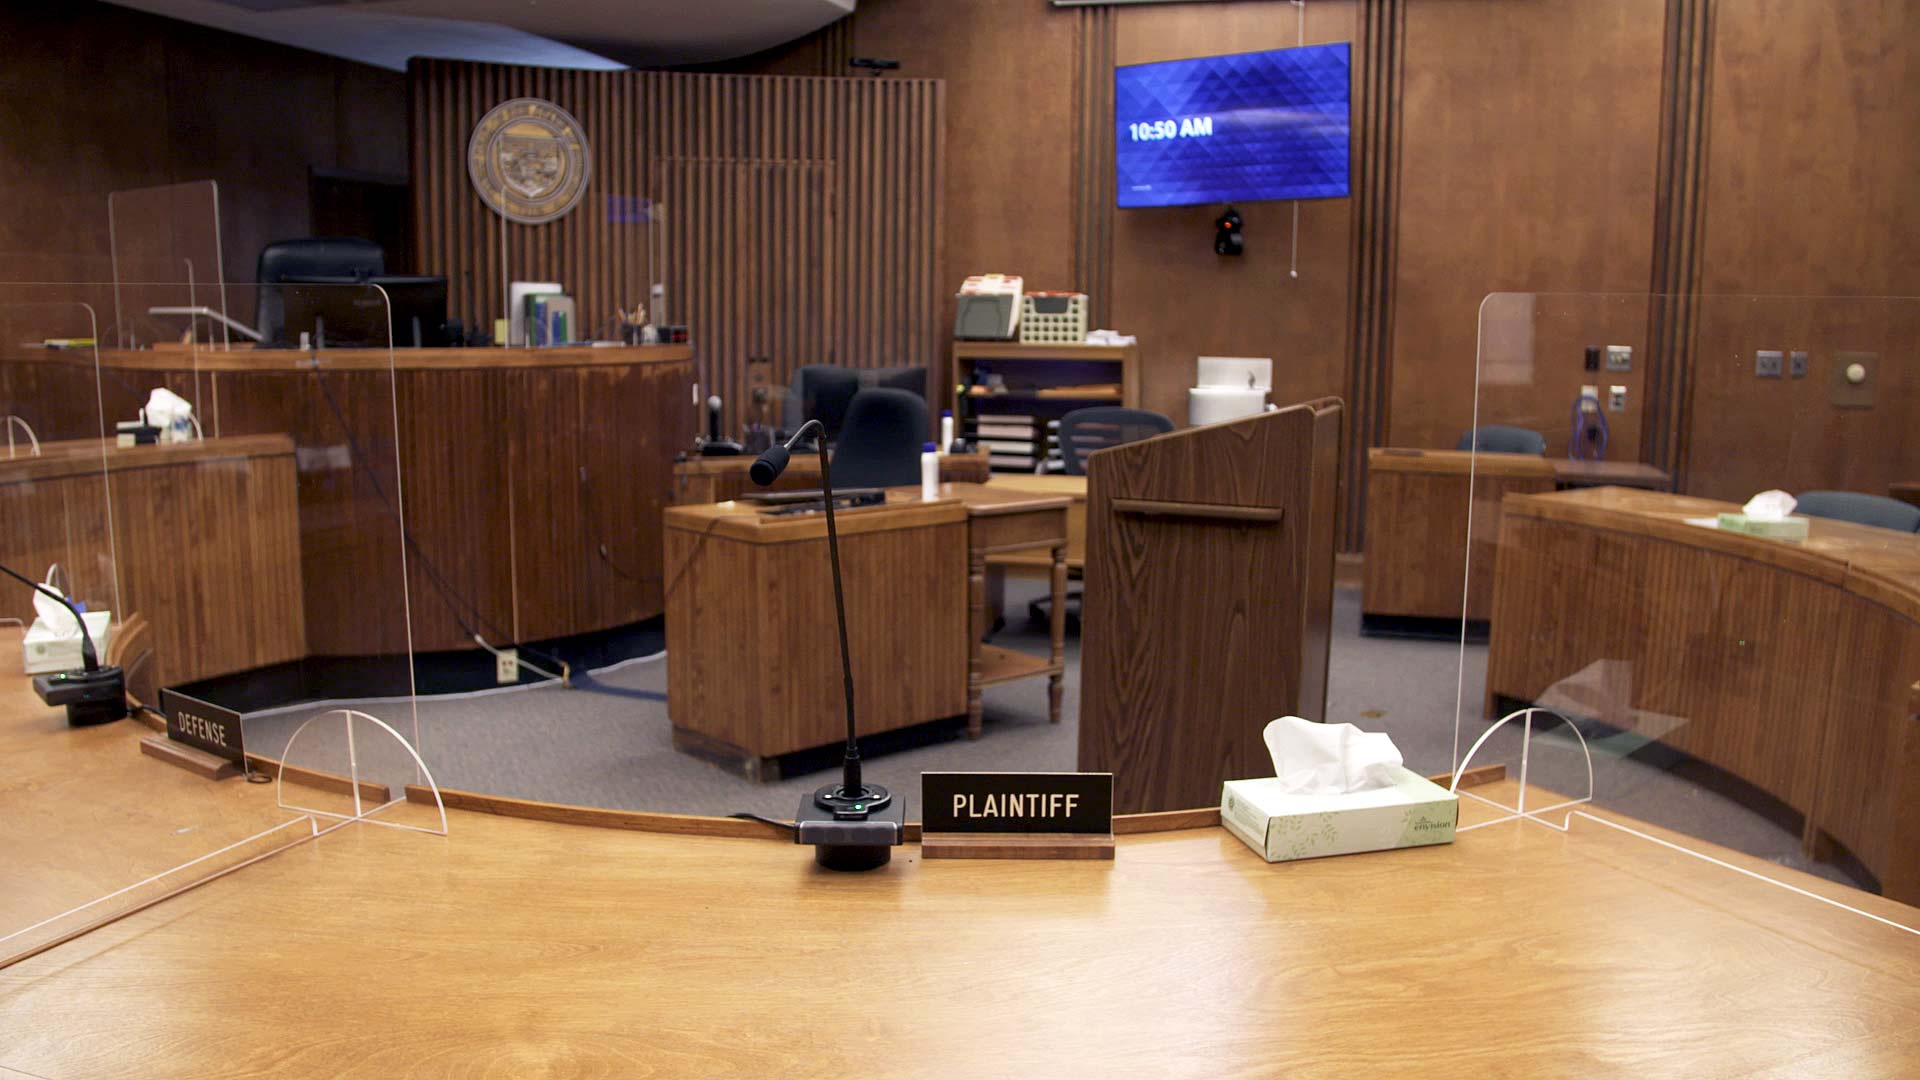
[(1741, 681), (169, 272), (244, 570)]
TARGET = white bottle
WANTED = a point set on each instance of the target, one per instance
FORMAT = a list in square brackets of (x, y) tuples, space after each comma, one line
[(946, 429), (929, 473)]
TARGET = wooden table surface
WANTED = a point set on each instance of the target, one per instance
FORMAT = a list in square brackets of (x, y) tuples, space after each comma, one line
[(521, 948), (1882, 565), (83, 813), (1075, 488), (1635, 474)]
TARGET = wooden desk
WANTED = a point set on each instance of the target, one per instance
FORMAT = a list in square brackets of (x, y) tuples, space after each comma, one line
[(1795, 667), (718, 479), (1634, 474), (205, 543), (1417, 547), (752, 657), (1074, 488), (1005, 522), (1186, 956), (533, 479)]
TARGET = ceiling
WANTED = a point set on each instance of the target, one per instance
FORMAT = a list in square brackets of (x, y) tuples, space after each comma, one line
[(548, 33)]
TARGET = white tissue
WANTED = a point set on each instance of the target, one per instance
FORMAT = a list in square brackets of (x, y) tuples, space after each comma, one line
[(1329, 759), (171, 413), (1770, 506), (54, 615)]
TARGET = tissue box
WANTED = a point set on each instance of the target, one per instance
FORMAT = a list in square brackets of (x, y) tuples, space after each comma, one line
[(42, 652), (1411, 812), (1790, 528)]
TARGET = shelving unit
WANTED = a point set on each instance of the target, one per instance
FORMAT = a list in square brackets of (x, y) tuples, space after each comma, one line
[(1043, 381)]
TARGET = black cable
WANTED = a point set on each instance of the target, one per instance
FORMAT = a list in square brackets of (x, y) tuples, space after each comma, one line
[(745, 815)]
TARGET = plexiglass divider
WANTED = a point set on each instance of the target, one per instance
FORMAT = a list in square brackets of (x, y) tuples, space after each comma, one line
[(1734, 682), (242, 572)]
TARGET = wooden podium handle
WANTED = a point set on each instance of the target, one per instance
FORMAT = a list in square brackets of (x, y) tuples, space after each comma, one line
[(1158, 508)]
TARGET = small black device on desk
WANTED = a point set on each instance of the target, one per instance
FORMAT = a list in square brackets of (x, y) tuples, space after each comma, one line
[(713, 445)]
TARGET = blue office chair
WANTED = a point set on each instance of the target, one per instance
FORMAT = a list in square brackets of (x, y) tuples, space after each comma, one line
[(1861, 509), (1501, 439), (1083, 431), (881, 441)]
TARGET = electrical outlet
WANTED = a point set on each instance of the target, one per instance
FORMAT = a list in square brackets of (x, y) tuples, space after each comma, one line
[(1767, 363), (1593, 358), (1589, 399), (506, 666), (1619, 358), (1617, 398), (1797, 363)]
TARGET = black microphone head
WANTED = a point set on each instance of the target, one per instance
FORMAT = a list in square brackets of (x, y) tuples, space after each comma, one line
[(769, 465)]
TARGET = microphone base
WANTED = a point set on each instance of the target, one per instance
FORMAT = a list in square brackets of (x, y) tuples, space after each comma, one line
[(91, 697), (846, 839), (719, 448)]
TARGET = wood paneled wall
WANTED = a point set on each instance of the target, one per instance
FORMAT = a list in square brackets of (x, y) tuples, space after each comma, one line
[(1810, 187), (1185, 301), (1528, 149), (795, 218), (96, 98)]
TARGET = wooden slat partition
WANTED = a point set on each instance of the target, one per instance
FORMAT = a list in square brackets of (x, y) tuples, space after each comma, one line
[(795, 218)]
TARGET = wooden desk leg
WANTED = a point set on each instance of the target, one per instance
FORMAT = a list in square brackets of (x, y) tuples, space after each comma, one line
[(976, 629), (1058, 630)]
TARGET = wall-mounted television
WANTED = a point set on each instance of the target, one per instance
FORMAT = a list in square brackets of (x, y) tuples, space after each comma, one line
[(1236, 128)]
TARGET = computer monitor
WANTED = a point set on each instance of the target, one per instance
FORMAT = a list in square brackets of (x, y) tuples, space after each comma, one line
[(344, 313)]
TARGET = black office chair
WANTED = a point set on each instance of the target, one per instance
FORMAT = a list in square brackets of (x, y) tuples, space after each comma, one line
[(913, 379), (1501, 439), (881, 441), (1861, 509), (1084, 431), (821, 392), (312, 257)]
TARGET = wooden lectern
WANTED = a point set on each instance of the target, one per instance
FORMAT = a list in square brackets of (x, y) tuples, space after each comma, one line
[(1209, 600)]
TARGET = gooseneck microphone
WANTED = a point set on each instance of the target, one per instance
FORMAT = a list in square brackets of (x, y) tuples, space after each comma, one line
[(94, 695), (853, 825)]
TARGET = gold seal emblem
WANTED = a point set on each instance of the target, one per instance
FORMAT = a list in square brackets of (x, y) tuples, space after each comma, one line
[(529, 160)]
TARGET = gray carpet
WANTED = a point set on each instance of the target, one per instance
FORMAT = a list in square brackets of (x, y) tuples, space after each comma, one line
[(606, 743)]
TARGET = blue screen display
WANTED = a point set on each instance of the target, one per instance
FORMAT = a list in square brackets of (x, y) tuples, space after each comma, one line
[(1259, 125)]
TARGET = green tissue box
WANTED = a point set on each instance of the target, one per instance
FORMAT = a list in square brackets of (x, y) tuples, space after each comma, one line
[(1793, 528), (1411, 812)]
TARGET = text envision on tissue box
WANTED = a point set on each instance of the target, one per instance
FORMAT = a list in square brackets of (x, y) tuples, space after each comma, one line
[(1410, 812)]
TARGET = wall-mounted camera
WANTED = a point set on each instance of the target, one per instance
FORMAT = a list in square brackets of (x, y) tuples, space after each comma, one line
[(1226, 233)]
